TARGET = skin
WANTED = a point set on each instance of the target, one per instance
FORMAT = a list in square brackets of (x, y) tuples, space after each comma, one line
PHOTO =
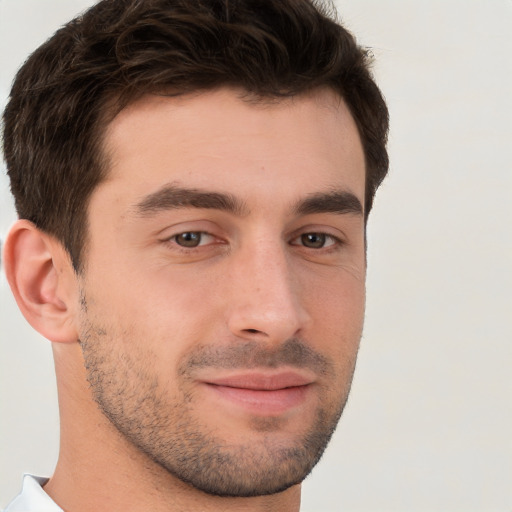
[(146, 336)]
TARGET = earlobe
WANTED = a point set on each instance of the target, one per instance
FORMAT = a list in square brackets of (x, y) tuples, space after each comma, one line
[(42, 281)]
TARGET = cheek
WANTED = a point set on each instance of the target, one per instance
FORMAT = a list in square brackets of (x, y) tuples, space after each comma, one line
[(337, 313), (150, 291), (162, 312)]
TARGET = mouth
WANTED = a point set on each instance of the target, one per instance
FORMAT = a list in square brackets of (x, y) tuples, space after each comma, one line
[(260, 393)]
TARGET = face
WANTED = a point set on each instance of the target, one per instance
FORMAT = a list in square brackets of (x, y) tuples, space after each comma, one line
[(223, 290)]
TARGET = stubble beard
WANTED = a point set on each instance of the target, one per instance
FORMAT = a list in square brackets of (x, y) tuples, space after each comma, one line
[(167, 431)]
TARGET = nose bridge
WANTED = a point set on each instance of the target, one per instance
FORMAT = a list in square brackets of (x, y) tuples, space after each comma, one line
[(267, 299)]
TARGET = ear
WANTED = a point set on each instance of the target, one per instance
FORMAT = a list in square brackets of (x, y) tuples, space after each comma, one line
[(43, 281)]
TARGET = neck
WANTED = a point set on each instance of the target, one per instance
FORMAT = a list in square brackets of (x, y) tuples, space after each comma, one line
[(98, 469)]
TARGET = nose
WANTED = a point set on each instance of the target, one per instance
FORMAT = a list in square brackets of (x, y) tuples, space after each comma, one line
[(266, 299)]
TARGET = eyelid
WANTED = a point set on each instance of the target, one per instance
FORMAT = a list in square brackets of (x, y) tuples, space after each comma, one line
[(203, 237), (335, 241), (333, 232), (184, 226), (210, 238), (183, 222)]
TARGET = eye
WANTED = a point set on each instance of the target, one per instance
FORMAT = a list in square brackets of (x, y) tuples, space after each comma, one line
[(315, 240), (192, 239)]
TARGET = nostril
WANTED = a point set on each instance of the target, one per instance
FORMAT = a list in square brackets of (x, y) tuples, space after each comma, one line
[(252, 331)]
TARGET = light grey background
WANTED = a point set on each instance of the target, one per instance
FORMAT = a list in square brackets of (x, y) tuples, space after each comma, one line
[(429, 423)]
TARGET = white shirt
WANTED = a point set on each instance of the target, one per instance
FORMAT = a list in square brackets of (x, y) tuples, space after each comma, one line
[(32, 498)]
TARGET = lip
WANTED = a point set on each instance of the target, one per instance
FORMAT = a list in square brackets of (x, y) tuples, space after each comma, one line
[(262, 381), (260, 393)]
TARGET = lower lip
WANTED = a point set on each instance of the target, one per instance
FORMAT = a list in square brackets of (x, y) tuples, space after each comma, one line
[(271, 402)]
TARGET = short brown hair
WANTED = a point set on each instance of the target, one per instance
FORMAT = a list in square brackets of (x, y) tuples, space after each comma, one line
[(73, 85)]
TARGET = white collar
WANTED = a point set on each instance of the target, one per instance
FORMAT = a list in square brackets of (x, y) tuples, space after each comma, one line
[(32, 497)]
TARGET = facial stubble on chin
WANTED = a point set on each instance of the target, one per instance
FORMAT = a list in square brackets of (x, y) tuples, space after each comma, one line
[(166, 430)]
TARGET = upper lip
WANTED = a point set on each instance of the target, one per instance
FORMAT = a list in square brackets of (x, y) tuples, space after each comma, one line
[(262, 381)]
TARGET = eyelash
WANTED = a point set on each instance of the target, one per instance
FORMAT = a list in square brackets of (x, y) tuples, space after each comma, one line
[(334, 244)]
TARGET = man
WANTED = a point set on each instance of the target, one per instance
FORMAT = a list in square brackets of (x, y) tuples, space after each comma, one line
[(193, 180)]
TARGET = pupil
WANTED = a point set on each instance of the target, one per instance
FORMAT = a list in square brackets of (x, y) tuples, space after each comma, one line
[(313, 240), (189, 239)]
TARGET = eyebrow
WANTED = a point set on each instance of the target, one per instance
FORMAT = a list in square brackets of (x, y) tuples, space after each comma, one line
[(171, 197), (338, 201)]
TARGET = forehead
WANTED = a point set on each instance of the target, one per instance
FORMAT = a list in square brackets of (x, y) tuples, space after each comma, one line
[(223, 140)]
